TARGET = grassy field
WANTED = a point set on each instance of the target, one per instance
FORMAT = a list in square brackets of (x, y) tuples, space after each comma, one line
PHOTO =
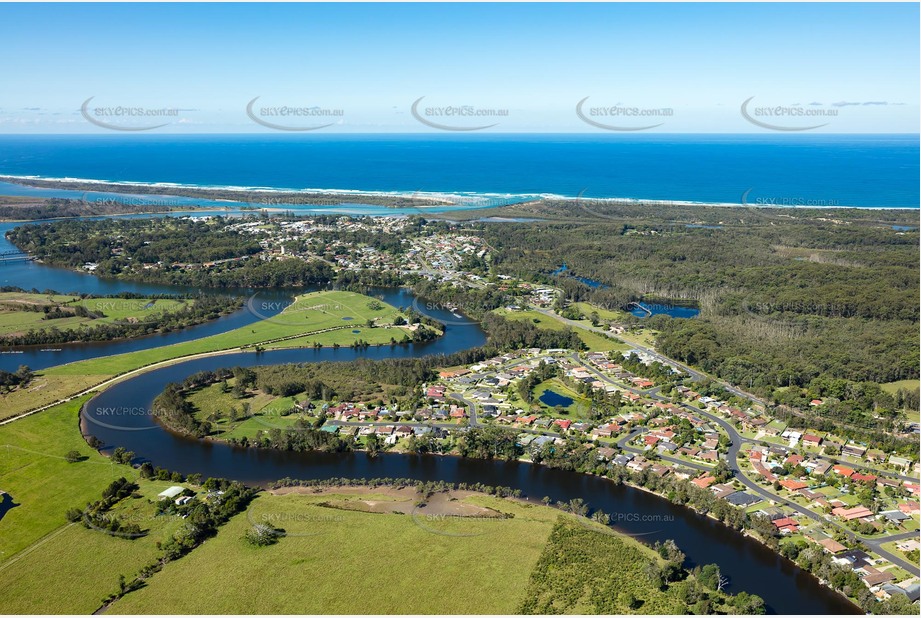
[(34, 472), (594, 341), (892, 387), (604, 314), (14, 319), (312, 312), (265, 410), (345, 336), (46, 564), (63, 573), (337, 561), (45, 389)]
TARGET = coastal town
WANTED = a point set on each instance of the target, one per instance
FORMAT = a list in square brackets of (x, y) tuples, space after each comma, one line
[(858, 505), (460, 309), (616, 401)]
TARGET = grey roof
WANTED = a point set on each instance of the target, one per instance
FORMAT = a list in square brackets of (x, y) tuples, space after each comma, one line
[(895, 515), (740, 498)]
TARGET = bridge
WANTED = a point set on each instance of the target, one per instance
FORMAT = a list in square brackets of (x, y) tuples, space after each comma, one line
[(639, 306), (14, 256)]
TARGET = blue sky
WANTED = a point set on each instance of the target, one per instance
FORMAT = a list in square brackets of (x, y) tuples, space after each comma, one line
[(686, 68)]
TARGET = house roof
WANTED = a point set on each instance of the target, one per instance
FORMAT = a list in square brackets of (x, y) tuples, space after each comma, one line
[(843, 470), (741, 498), (832, 546), (878, 578), (704, 481), (852, 513)]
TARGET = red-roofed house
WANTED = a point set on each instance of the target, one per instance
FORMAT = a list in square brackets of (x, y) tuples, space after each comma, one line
[(852, 513), (704, 481), (760, 469), (832, 546), (812, 440), (843, 471), (786, 524), (793, 484), (564, 424)]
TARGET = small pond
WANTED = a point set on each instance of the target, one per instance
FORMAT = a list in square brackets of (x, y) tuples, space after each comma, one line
[(553, 399)]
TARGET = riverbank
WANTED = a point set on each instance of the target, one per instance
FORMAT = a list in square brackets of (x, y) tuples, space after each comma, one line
[(460, 531), (665, 495), (29, 319), (312, 321)]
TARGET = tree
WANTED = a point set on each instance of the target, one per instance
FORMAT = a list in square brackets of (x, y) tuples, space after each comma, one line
[(122, 456), (73, 456), (702, 607), (746, 603), (654, 573), (262, 535), (24, 374), (711, 577), (373, 444)]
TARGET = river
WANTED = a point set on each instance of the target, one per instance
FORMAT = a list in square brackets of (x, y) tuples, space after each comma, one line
[(120, 417)]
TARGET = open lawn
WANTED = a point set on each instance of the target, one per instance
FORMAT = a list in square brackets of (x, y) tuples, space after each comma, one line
[(63, 573), (594, 341), (339, 561), (41, 482), (43, 390), (346, 336), (893, 387), (310, 313), (48, 565), (265, 411), (604, 314)]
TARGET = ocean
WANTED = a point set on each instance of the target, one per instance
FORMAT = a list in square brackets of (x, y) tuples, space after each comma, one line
[(879, 171)]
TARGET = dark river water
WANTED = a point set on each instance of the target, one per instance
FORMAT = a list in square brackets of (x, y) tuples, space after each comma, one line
[(120, 416)]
